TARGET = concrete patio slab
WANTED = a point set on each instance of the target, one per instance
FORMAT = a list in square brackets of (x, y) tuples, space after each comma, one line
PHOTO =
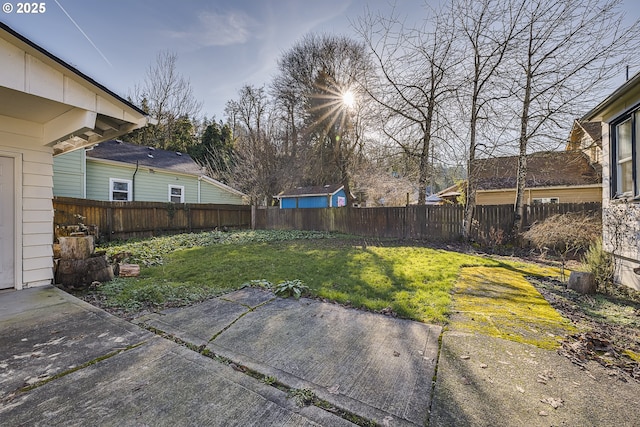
[(45, 332), (163, 384), (377, 367), (486, 381), (199, 323)]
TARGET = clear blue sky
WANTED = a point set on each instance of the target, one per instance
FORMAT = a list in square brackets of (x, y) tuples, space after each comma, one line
[(221, 44)]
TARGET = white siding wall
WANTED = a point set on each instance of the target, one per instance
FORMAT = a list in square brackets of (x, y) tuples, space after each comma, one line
[(34, 191)]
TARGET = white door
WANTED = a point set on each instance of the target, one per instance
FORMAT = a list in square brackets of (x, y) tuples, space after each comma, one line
[(7, 212)]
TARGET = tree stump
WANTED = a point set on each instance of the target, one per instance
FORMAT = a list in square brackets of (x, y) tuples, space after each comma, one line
[(76, 247), (582, 282)]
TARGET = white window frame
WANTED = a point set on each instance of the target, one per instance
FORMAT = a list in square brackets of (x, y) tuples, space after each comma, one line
[(625, 162), (129, 191), (544, 200), (179, 187)]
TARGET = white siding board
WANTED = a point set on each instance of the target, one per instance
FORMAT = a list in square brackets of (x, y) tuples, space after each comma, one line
[(37, 264), (39, 252), (36, 216), (38, 228), (37, 192), (39, 277), (37, 205), (32, 240)]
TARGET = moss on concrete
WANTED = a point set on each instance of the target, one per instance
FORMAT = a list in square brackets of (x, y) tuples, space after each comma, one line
[(498, 301)]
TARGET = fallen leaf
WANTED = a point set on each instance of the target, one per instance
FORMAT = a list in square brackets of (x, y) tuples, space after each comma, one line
[(555, 402)]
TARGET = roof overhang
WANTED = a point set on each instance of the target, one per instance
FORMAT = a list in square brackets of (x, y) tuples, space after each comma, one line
[(60, 106), (619, 101)]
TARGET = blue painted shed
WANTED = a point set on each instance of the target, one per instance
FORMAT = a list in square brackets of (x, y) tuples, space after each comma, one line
[(327, 196)]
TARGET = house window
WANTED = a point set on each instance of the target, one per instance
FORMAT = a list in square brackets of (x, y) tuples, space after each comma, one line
[(542, 200), (176, 194), (120, 190), (624, 156)]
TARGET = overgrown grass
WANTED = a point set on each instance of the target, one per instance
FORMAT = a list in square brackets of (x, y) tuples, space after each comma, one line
[(413, 282)]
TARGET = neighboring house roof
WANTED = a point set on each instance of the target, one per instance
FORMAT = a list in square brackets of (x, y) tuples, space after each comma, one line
[(125, 152), (319, 190), (591, 129), (544, 169), (152, 158)]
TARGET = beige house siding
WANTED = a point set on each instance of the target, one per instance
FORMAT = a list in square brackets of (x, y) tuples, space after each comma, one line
[(620, 219), (565, 195)]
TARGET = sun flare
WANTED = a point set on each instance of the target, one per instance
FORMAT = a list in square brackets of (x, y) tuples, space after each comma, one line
[(349, 99)]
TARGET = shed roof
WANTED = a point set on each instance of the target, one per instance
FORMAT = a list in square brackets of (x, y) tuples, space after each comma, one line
[(544, 169), (318, 190), (125, 152)]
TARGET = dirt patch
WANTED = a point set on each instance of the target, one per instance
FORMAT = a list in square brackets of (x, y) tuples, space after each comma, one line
[(608, 324)]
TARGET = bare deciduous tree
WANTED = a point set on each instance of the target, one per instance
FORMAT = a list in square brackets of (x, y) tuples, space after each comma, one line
[(489, 28), (414, 82), (168, 97), (314, 77), (566, 50)]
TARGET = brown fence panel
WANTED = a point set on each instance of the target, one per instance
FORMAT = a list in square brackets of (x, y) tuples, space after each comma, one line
[(123, 220), (491, 225)]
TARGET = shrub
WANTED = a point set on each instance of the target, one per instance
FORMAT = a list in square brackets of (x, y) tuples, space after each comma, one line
[(600, 264), (565, 233)]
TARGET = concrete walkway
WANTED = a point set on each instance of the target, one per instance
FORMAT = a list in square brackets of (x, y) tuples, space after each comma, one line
[(65, 362)]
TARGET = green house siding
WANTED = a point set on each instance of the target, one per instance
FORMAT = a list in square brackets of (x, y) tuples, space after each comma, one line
[(153, 186), (209, 193), (68, 174)]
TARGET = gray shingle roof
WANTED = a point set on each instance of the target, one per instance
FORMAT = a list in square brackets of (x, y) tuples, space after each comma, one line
[(125, 152)]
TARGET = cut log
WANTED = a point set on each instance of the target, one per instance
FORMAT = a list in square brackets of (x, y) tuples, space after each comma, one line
[(76, 247), (128, 270)]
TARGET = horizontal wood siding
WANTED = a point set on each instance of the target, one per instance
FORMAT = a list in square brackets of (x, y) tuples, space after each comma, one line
[(211, 193), (123, 220), (68, 174), (564, 195)]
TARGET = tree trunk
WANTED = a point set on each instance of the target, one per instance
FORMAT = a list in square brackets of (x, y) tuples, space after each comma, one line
[(523, 140)]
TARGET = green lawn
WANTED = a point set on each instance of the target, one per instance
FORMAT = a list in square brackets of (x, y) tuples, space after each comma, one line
[(414, 282)]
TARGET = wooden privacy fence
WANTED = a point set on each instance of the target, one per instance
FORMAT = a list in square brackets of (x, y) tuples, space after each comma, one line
[(414, 222), (491, 224), (123, 220)]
